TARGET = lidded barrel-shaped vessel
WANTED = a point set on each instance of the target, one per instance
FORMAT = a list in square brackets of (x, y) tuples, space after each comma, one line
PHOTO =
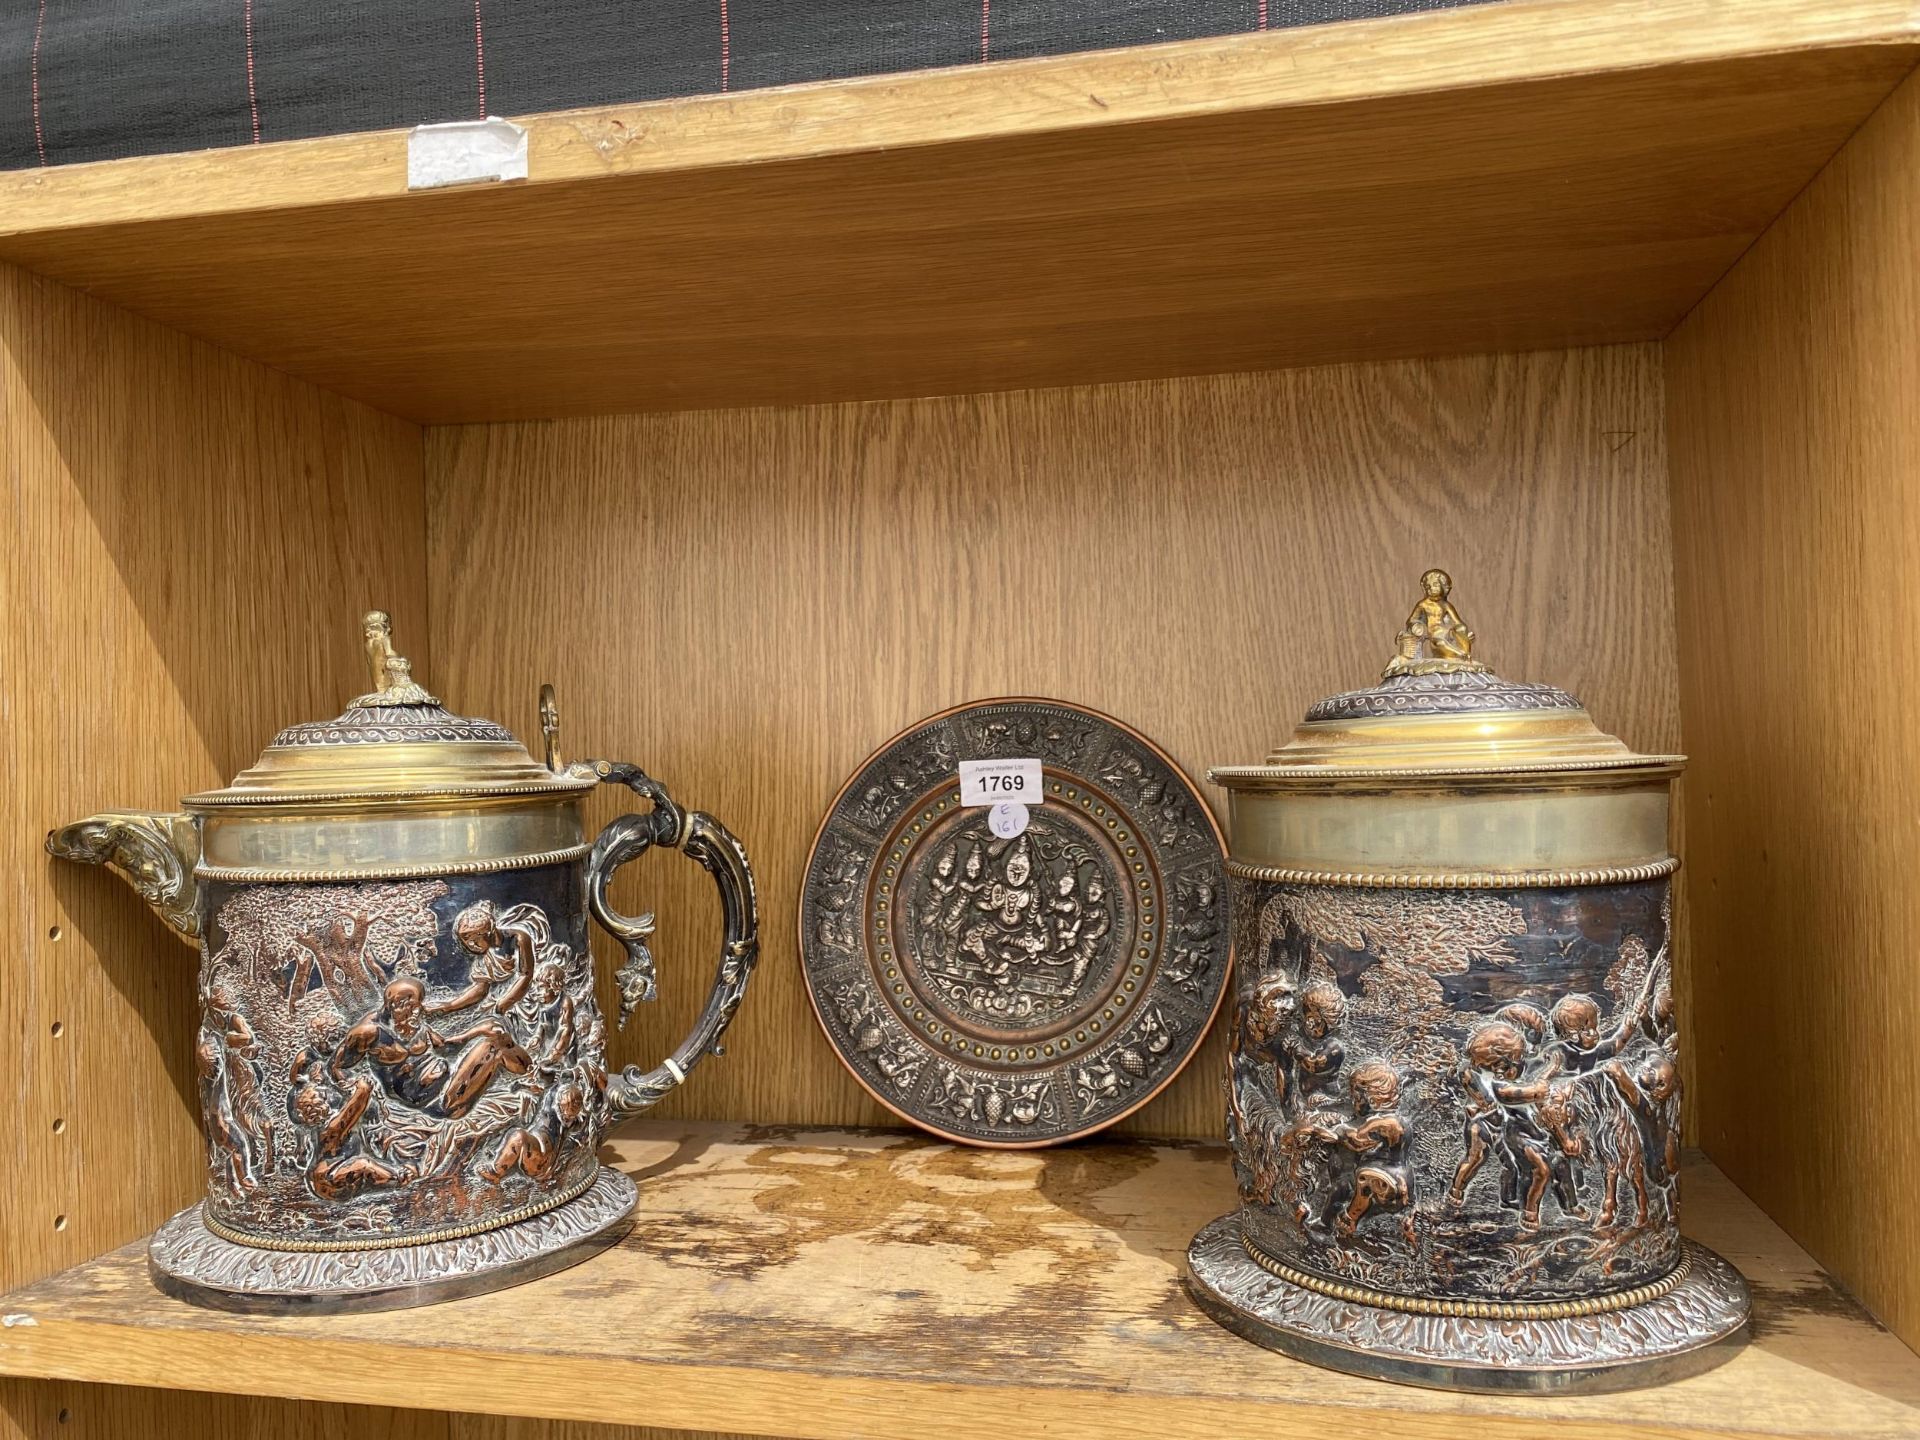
[(1454, 1084)]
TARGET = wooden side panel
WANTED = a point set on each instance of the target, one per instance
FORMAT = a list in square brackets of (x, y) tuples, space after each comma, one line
[(748, 602), (1794, 396), (189, 540)]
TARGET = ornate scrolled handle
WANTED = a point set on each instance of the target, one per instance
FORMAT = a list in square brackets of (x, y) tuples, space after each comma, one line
[(154, 853), (709, 842)]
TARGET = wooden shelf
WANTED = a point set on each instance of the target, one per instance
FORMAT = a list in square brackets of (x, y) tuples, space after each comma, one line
[(1529, 175), (828, 1284)]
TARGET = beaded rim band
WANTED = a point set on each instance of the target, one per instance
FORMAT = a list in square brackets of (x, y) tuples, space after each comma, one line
[(215, 800), (1283, 775), (397, 1242), (1470, 1309), (242, 874), (1456, 880)]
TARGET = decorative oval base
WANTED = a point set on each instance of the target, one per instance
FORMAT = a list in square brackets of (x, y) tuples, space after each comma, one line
[(189, 1261), (1688, 1329)]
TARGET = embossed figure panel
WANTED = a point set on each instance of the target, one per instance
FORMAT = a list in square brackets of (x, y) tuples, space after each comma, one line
[(1016, 990), (446, 1056), (1458, 1093)]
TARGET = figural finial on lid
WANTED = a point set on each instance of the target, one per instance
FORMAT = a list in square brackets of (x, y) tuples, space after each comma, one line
[(550, 728), (1435, 640), (393, 682)]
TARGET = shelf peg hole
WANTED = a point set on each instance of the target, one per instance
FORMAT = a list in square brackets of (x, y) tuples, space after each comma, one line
[(53, 932), (59, 1126), (59, 1028), (59, 1222)]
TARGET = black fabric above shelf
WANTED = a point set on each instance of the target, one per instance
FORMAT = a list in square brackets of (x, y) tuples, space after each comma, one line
[(100, 79)]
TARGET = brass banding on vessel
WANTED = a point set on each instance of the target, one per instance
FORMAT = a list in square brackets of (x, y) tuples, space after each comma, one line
[(531, 861), (1455, 879), (1427, 825)]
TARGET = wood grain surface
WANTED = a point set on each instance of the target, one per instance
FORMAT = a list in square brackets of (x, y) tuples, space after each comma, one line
[(1794, 394), (79, 1410), (1536, 174), (189, 542), (748, 603), (844, 1284), (71, 1410)]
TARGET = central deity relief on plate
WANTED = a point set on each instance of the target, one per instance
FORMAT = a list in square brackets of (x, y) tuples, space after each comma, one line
[(1011, 933)]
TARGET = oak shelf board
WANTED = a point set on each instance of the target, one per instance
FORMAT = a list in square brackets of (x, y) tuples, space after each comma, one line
[(832, 1283), (1536, 174)]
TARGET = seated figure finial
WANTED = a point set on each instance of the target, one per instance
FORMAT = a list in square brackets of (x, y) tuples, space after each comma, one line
[(393, 682), (550, 728), (1435, 641)]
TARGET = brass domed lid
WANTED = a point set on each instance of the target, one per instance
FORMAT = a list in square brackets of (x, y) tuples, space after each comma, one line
[(1439, 711), (396, 743)]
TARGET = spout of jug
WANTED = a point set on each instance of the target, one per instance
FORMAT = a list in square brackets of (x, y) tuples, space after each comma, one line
[(153, 853)]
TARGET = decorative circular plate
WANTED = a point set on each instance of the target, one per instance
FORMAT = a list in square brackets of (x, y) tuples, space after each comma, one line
[(1025, 990)]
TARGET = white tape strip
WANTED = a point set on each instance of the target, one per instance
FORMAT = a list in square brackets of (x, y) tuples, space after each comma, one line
[(466, 152), (679, 1075)]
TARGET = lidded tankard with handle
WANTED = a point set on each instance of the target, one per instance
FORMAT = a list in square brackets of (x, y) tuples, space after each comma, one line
[(401, 1060)]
